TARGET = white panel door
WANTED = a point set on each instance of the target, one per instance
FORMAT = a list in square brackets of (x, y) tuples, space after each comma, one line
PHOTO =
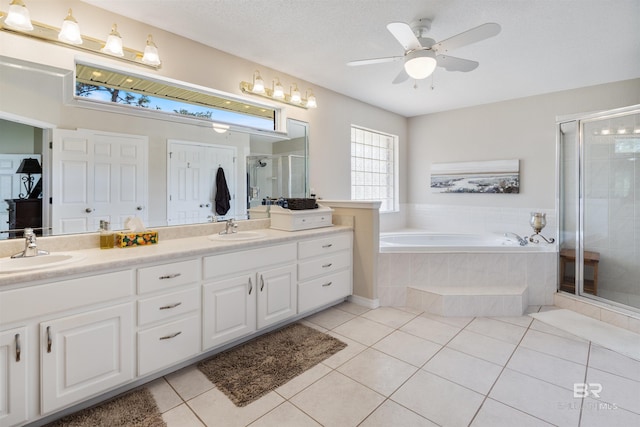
[(186, 184), (97, 176), (85, 354), (192, 170), (277, 295), (229, 310), (13, 377)]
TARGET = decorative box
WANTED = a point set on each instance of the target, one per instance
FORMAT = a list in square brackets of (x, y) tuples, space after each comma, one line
[(293, 220), (127, 240)]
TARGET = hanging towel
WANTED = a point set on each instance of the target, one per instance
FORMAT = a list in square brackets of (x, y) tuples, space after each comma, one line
[(222, 194)]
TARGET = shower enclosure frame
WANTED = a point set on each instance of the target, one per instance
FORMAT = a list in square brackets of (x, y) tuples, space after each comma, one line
[(580, 183)]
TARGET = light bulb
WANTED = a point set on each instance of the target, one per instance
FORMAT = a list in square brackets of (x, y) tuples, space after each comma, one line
[(113, 45), (18, 17), (151, 56), (70, 31)]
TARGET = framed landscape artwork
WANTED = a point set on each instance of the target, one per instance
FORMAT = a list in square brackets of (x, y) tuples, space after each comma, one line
[(495, 176)]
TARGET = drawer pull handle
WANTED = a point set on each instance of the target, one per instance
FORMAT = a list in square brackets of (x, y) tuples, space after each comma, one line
[(327, 284), (170, 306), (250, 286), (168, 337), (327, 265), (49, 339), (170, 276), (17, 347), (327, 246), (261, 283)]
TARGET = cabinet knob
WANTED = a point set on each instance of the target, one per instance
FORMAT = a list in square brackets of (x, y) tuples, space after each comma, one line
[(170, 276), (250, 286), (327, 246), (139, 208), (88, 210), (261, 283)]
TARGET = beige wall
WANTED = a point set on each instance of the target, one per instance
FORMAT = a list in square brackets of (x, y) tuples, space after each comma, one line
[(185, 60), (518, 129)]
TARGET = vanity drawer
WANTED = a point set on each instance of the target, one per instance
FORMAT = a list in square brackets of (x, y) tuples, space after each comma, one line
[(323, 290), (225, 264), (41, 300), (167, 344), (323, 265), (169, 275), (316, 247), (167, 306)]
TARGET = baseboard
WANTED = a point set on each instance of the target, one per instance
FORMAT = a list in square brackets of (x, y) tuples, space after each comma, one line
[(365, 302)]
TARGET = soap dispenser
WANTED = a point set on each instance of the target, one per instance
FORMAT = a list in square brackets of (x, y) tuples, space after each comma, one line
[(107, 238)]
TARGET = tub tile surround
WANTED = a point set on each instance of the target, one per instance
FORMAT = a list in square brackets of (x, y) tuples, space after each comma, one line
[(468, 284)]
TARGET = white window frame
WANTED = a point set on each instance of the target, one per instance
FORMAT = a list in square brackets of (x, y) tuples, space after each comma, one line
[(367, 159)]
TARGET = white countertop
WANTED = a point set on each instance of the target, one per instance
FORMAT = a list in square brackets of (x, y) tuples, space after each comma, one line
[(101, 260)]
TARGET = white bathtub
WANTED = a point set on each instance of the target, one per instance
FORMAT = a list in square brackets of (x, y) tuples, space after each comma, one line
[(472, 265), (452, 243)]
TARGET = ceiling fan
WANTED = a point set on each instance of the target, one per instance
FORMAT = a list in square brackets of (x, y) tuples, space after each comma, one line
[(423, 54)]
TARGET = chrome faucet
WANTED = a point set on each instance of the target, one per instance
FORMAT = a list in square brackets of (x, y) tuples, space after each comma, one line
[(30, 246), (230, 225), (521, 241)]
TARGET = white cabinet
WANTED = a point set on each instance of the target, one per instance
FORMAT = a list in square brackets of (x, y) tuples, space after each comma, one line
[(85, 354), (277, 293), (324, 270), (168, 314), (229, 310), (13, 376), (247, 290)]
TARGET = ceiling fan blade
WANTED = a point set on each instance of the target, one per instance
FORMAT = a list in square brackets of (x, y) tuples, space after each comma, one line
[(451, 63), (373, 61), (401, 77), (473, 35), (404, 34)]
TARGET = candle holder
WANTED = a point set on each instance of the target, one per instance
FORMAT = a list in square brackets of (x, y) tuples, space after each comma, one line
[(537, 221)]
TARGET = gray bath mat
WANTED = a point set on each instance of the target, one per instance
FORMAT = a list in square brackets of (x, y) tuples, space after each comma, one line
[(253, 369), (135, 409)]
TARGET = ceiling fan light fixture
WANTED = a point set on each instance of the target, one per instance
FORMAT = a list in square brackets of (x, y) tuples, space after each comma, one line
[(420, 64)]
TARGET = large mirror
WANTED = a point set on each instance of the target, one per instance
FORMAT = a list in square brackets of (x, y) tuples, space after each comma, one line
[(261, 165)]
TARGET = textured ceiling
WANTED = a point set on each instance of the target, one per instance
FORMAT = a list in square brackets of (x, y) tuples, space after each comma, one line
[(545, 45)]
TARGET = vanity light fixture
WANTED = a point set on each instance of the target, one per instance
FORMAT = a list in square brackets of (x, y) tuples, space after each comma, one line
[(18, 17), (113, 45), (277, 89), (151, 56), (17, 21), (276, 92), (294, 94), (70, 31), (258, 83), (311, 99)]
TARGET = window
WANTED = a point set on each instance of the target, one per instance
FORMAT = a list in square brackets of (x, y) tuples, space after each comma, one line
[(374, 174), (111, 86)]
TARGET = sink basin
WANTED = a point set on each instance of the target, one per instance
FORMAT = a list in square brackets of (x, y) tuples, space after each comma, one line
[(239, 236), (14, 265)]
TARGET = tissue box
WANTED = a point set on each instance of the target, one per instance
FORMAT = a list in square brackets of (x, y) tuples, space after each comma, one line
[(126, 240)]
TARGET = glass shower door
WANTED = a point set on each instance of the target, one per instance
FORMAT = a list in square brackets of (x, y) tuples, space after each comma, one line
[(610, 215)]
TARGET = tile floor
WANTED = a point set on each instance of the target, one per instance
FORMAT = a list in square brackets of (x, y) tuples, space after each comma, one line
[(406, 368)]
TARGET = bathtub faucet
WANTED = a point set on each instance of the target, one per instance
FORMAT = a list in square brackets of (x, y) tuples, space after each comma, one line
[(520, 240)]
